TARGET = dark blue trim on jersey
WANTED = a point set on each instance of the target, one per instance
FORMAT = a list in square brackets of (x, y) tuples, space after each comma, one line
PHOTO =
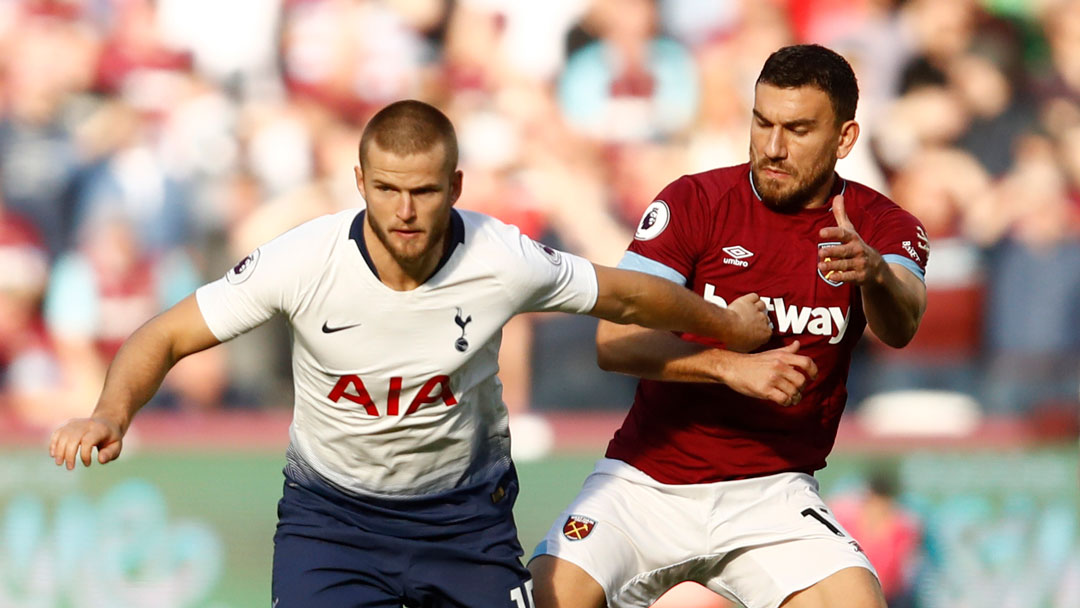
[(640, 263), (906, 262), (457, 237)]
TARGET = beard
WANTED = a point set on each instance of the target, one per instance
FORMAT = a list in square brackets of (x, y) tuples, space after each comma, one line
[(408, 253), (793, 196)]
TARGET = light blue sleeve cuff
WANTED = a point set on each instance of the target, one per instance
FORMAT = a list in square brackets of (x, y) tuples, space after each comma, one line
[(640, 263), (895, 258)]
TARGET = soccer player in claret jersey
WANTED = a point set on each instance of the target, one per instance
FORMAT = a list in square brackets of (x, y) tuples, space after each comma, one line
[(398, 483), (710, 477)]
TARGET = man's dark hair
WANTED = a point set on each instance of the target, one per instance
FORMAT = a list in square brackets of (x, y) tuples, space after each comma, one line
[(814, 65), (410, 127)]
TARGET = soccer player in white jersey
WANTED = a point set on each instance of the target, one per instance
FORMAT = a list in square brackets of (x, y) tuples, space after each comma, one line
[(398, 484)]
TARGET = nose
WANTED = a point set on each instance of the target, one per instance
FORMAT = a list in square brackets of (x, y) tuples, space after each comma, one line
[(775, 147), (406, 208)]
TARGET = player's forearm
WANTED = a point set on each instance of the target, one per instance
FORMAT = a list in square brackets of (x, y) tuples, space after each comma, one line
[(142, 362), (135, 375), (627, 297), (894, 306), (655, 355)]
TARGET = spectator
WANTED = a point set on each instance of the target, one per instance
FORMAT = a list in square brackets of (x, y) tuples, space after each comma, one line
[(890, 534), (631, 84)]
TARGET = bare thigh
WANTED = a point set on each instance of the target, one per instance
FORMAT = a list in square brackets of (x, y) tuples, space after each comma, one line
[(848, 588), (558, 583)]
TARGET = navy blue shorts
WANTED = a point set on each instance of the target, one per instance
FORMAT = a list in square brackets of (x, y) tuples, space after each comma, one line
[(458, 548)]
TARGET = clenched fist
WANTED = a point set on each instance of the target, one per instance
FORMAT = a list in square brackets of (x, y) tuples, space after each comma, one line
[(753, 327)]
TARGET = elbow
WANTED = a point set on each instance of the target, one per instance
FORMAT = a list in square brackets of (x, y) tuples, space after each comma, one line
[(605, 359), (605, 351), (899, 337)]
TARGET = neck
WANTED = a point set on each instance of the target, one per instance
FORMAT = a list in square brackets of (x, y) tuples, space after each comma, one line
[(821, 197), (403, 274)]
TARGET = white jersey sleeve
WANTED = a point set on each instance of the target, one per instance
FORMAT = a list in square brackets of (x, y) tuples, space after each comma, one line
[(546, 279), (269, 280)]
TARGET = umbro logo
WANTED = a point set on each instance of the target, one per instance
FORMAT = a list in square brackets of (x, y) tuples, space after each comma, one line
[(326, 329), (738, 255)]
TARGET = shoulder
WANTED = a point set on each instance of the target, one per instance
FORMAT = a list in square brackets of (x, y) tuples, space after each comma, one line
[(874, 208), (503, 248), (709, 188), (298, 249), (486, 233)]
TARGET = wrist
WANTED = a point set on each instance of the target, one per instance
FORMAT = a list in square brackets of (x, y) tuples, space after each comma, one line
[(723, 365), (110, 417)]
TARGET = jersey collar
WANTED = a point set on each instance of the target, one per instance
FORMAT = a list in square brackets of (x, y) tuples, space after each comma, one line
[(457, 237), (839, 186)]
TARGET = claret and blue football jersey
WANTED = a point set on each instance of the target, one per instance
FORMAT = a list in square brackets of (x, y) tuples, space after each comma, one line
[(712, 233)]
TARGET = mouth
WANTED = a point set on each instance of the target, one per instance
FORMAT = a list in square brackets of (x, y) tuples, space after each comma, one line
[(774, 173), (406, 233)]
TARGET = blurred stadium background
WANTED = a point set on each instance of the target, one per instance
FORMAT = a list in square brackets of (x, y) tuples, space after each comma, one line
[(146, 145)]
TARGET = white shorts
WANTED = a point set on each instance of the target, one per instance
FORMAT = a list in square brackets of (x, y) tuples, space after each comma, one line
[(754, 541)]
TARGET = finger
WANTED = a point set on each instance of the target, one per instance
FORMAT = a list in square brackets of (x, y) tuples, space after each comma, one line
[(52, 443), (110, 452), (790, 348), (849, 249), (803, 364), (792, 394), (840, 265), (840, 213), (777, 396), (796, 377), (71, 451), (86, 452), (760, 305), (847, 276), (750, 298), (837, 233), (59, 445)]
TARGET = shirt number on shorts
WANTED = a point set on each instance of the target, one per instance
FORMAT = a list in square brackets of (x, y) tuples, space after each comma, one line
[(522, 596), (824, 522)]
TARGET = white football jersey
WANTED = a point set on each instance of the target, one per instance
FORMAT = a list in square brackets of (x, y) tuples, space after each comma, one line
[(395, 391)]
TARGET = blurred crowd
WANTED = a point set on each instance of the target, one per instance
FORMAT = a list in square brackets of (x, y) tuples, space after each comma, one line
[(146, 145)]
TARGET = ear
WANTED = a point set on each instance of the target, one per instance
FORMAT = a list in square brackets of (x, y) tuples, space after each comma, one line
[(360, 181), (455, 186), (849, 133)]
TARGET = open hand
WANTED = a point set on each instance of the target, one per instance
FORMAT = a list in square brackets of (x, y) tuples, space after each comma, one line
[(752, 328), (852, 260), (777, 375), (79, 436)]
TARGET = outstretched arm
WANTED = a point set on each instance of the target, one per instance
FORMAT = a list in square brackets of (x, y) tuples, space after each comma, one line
[(893, 298), (626, 297), (133, 378), (640, 299), (777, 375)]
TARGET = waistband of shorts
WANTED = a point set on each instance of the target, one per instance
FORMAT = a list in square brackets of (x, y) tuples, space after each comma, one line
[(459, 510), (627, 471)]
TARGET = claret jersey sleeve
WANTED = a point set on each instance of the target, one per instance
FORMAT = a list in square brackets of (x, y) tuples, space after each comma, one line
[(269, 280), (668, 236), (900, 239)]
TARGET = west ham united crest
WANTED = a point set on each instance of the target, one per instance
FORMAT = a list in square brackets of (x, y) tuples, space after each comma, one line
[(578, 527), (823, 277)]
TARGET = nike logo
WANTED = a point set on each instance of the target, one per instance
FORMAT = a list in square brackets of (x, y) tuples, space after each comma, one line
[(326, 329)]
